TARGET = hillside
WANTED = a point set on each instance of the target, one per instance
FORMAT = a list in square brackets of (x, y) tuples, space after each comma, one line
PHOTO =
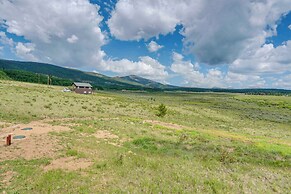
[(27, 76), (96, 80), (131, 82), (4, 76), (145, 82)]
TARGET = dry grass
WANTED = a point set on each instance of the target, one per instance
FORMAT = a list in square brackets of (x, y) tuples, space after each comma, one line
[(207, 143)]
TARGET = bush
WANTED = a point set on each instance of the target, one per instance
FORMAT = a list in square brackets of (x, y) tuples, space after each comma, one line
[(162, 110)]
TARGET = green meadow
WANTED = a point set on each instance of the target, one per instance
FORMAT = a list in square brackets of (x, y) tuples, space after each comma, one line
[(206, 143)]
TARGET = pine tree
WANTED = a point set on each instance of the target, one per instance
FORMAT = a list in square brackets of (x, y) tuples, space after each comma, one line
[(162, 110)]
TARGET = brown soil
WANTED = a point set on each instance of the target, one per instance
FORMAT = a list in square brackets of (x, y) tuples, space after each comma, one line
[(69, 163), (164, 124), (77, 118), (103, 134), (6, 178), (38, 127), (36, 144), (66, 119)]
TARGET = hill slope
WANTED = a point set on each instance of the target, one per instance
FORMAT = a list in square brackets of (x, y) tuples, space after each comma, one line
[(3, 75), (97, 80), (145, 82), (100, 81)]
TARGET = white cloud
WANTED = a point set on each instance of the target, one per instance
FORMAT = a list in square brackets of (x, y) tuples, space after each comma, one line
[(191, 74), (216, 32), (134, 20), (146, 67), (214, 77), (73, 39), (265, 60), (67, 33), (283, 82), (154, 47), (52, 26), (237, 80), (5, 40), (25, 51)]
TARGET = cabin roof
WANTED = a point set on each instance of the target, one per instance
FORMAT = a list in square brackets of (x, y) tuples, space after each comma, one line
[(80, 84)]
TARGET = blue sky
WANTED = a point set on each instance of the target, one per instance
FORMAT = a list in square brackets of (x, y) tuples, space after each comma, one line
[(239, 44)]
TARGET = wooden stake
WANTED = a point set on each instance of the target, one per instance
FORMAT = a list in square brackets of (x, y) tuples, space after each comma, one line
[(8, 140)]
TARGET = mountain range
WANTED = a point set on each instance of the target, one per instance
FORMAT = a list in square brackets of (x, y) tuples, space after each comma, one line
[(95, 79), (23, 71)]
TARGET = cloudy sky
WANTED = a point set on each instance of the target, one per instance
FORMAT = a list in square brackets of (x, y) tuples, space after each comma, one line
[(197, 43)]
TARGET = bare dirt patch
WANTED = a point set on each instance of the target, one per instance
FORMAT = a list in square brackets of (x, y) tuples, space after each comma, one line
[(38, 128), (103, 134), (164, 124), (6, 177), (36, 144), (66, 119), (31, 147), (78, 119), (69, 163)]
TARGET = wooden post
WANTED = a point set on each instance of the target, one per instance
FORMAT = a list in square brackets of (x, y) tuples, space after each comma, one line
[(8, 140)]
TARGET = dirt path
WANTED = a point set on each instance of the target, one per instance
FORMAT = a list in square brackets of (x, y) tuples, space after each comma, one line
[(103, 134), (164, 124), (69, 163), (78, 119)]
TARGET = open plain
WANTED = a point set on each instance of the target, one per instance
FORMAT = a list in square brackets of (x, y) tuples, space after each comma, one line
[(113, 142)]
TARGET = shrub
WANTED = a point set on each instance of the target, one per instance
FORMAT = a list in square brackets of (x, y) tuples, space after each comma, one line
[(162, 110)]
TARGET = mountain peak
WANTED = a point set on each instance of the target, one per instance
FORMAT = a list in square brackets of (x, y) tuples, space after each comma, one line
[(143, 81)]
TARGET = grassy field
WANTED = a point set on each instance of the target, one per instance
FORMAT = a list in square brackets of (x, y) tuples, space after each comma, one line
[(207, 142)]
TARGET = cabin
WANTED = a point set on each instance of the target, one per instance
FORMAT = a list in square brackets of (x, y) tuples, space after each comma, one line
[(82, 88)]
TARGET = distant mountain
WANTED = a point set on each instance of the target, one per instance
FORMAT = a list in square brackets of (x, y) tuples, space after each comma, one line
[(97, 80), (145, 82), (38, 73)]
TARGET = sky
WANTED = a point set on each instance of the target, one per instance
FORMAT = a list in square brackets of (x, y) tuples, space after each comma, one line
[(192, 43)]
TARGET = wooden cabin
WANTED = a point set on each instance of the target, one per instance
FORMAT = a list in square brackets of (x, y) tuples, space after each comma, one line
[(82, 88)]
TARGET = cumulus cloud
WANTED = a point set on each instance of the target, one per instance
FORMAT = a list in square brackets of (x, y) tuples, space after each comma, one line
[(216, 32), (191, 74), (265, 60), (67, 33), (154, 47), (5, 40), (72, 39), (238, 80), (25, 50), (51, 27), (146, 67), (214, 77), (283, 82), (134, 20)]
